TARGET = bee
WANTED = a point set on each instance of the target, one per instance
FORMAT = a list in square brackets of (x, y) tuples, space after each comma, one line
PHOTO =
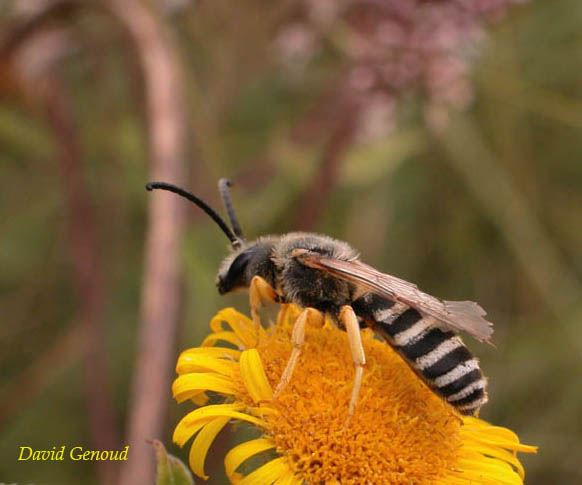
[(323, 275)]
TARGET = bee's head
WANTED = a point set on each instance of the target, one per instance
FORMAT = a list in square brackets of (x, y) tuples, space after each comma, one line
[(246, 260), (237, 269)]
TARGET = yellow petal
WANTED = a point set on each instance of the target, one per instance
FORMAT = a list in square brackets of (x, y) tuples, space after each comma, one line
[(191, 421), (283, 315), (200, 399), (191, 394), (484, 432), (262, 411), (289, 478), (499, 454), (268, 473), (454, 480), (239, 454), (198, 362), (287, 315), (496, 439), (225, 316), (229, 337), (242, 326), (185, 431), (488, 471), (254, 377), (189, 385), (202, 442), (218, 352)]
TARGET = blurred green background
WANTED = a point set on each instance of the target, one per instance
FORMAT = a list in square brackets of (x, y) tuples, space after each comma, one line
[(486, 206)]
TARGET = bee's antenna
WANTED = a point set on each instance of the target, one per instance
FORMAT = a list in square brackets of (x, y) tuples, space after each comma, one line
[(234, 240), (223, 188)]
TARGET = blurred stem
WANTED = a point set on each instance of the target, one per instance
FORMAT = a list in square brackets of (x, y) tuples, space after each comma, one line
[(88, 275), (551, 105), (64, 352), (12, 38), (314, 199), (160, 296), (509, 210)]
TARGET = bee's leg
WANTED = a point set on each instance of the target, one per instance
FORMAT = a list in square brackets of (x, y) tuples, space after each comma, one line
[(350, 321), (297, 339), (260, 291)]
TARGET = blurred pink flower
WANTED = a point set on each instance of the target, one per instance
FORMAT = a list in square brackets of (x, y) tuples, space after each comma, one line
[(393, 46)]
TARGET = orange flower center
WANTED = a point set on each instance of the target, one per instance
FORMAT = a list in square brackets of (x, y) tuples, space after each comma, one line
[(400, 431)]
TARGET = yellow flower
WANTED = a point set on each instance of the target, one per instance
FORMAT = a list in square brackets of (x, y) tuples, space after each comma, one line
[(401, 432)]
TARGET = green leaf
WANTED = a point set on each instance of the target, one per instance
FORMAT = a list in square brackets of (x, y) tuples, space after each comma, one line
[(170, 470)]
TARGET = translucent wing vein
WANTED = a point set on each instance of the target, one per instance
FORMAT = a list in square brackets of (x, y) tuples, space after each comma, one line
[(466, 316)]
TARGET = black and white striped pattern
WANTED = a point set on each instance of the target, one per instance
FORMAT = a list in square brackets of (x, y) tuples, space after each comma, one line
[(439, 356)]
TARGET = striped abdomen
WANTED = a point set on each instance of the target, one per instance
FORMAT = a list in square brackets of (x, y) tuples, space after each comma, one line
[(438, 356)]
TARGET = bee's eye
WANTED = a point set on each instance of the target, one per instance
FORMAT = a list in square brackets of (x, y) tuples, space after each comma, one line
[(239, 265), (236, 276)]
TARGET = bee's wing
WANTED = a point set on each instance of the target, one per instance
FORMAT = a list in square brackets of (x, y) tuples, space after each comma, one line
[(453, 315)]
